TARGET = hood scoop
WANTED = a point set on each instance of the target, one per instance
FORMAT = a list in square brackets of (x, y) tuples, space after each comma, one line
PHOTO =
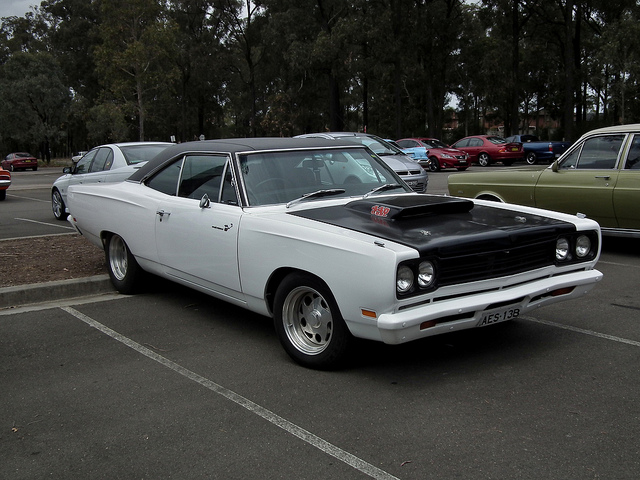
[(409, 206)]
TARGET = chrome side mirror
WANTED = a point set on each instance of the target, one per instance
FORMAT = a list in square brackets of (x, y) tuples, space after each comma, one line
[(205, 202)]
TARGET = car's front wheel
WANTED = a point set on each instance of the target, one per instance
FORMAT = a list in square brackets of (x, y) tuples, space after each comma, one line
[(484, 160), (124, 271), (434, 164), (58, 206), (309, 324)]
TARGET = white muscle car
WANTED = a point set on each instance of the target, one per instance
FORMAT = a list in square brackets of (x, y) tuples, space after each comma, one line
[(325, 238)]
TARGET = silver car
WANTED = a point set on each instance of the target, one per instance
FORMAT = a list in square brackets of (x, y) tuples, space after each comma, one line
[(113, 162), (405, 166)]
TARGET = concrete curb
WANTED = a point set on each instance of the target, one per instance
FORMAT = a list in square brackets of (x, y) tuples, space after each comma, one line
[(50, 291)]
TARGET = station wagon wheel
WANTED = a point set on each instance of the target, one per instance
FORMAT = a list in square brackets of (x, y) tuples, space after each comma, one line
[(57, 205), (483, 159), (308, 322), (124, 271)]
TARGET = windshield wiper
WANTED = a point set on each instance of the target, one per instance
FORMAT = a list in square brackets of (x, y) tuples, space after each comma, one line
[(382, 188), (317, 194)]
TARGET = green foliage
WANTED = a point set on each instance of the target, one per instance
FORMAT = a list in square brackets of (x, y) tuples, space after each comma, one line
[(81, 73)]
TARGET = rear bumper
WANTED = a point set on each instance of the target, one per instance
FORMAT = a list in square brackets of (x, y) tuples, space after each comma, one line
[(463, 313)]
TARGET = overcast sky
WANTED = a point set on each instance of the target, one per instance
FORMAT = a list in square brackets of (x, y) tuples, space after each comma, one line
[(16, 8)]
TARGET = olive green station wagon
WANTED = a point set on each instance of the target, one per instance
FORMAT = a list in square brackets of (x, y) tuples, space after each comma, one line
[(598, 177)]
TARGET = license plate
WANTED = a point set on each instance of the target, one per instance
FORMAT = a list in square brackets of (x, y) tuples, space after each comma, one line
[(497, 316), (514, 149)]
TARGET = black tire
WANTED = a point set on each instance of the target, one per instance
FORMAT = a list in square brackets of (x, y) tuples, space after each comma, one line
[(12, 168), (531, 158), (124, 271), (484, 160), (434, 164), (3, 194), (58, 206), (323, 344), (461, 169)]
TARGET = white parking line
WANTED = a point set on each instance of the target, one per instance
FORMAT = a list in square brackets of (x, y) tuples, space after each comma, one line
[(28, 198), (586, 332), (301, 433), (45, 223)]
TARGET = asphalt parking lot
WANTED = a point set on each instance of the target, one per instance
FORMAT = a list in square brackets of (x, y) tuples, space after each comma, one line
[(174, 384)]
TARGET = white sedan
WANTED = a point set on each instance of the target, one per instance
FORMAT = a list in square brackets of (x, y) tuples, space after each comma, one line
[(107, 163), (326, 239)]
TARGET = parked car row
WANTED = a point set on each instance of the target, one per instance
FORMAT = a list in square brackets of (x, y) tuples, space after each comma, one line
[(483, 150)]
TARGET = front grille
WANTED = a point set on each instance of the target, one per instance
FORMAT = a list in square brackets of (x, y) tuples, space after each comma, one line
[(498, 263)]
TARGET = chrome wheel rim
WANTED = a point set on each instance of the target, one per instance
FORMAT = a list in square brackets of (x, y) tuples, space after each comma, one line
[(118, 259), (56, 202), (307, 320)]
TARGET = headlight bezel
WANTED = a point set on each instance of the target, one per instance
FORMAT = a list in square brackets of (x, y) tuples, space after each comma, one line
[(581, 246), (423, 275)]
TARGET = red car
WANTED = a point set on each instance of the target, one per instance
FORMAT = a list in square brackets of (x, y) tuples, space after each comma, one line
[(24, 160), (433, 154), (5, 181), (487, 149)]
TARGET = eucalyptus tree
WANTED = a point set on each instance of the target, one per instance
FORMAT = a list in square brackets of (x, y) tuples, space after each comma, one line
[(133, 57), (35, 100)]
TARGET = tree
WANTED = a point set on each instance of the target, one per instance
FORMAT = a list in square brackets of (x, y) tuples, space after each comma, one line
[(137, 42), (35, 100)]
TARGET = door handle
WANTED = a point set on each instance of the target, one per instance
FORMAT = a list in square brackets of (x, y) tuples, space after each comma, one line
[(162, 213), (606, 177)]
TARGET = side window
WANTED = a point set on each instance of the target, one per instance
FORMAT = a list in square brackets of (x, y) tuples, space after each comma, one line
[(633, 157), (600, 153), (202, 174), (166, 180), (101, 159), (462, 143), (85, 162)]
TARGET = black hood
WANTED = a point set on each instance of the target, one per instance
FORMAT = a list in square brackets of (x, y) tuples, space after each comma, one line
[(439, 225)]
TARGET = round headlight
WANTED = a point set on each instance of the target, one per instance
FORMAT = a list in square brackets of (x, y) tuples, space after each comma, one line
[(404, 280), (426, 274), (562, 249), (583, 246)]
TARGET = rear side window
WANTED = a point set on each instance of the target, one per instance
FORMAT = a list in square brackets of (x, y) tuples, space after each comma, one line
[(166, 180)]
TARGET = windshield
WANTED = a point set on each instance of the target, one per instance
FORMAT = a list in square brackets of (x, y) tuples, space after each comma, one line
[(377, 145), (281, 177), (141, 153), (433, 143)]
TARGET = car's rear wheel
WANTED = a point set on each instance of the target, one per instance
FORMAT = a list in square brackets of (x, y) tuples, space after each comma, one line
[(58, 206), (484, 160), (124, 271), (531, 158), (309, 324)]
